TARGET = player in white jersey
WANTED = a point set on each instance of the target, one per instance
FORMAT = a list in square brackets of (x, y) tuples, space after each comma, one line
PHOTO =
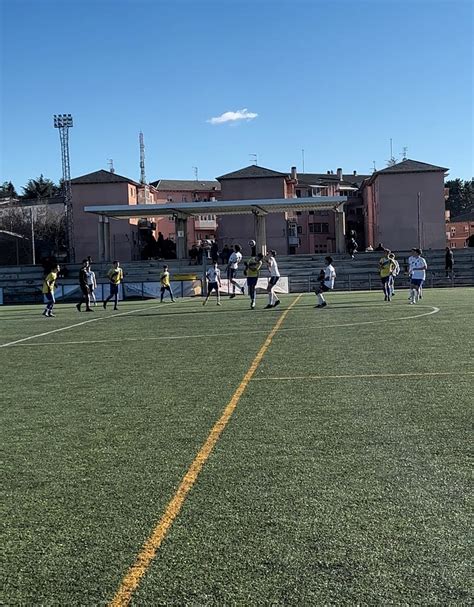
[(91, 284), (411, 260), (417, 268), (213, 276), (327, 278), (272, 265), (232, 267)]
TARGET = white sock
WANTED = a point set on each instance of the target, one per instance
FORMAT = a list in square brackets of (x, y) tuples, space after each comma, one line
[(320, 298)]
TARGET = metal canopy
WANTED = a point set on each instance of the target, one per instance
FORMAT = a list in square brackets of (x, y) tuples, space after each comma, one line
[(225, 207)]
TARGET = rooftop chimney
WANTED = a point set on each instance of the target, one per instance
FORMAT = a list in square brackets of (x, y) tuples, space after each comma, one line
[(354, 172), (329, 172), (293, 173), (339, 174)]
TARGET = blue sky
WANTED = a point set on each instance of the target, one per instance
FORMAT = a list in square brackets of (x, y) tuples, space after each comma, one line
[(335, 78)]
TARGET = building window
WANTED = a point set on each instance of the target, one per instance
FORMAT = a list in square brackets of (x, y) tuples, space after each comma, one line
[(184, 198), (320, 248), (300, 229), (453, 245), (466, 228), (453, 231), (298, 193), (319, 228), (298, 212), (310, 212)]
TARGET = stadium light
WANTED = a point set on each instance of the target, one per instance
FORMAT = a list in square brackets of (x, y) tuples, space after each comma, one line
[(62, 120)]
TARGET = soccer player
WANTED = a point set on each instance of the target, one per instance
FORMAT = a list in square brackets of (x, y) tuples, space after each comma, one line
[(272, 265), (327, 277), (395, 273), (252, 271), (232, 267), (91, 284), (411, 260), (49, 285), (165, 284), (83, 284), (418, 275), (213, 276), (115, 275), (386, 267)]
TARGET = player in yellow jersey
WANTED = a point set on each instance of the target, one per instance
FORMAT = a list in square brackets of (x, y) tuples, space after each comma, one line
[(165, 284), (115, 275), (386, 268), (49, 285)]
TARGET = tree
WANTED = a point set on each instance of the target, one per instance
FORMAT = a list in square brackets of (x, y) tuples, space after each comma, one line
[(40, 188), (7, 190), (461, 196), (49, 229)]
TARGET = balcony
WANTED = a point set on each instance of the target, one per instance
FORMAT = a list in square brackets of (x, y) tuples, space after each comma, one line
[(205, 224)]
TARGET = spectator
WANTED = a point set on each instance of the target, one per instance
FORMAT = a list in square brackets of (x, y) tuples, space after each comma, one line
[(193, 255), (380, 247), (214, 252), (226, 253), (352, 247), (449, 263)]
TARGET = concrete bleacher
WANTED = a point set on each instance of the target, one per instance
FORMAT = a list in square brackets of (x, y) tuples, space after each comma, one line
[(23, 283)]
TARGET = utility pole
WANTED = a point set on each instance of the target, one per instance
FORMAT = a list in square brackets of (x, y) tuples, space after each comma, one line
[(63, 122), (32, 226)]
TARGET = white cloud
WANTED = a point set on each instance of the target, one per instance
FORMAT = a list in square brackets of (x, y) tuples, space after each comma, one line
[(233, 116)]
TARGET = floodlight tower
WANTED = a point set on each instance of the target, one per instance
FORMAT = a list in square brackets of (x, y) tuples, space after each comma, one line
[(63, 122)]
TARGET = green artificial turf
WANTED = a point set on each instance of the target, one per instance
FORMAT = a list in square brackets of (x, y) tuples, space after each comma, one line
[(321, 490)]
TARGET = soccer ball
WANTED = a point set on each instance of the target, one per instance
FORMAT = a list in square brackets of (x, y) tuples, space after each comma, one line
[(252, 243)]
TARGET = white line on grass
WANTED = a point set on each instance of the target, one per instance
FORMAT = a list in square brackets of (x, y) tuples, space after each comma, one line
[(434, 310), (365, 376), (77, 324)]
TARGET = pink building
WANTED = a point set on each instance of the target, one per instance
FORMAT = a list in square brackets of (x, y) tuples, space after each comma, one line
[(404, 206), (316, 229), (180, 190), (127, 237), (460, 230), (253, 183)]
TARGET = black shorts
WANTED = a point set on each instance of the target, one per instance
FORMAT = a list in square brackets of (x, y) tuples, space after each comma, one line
[(231, 273), (323, 288), (114, 289), (273, 280), (212, 286)]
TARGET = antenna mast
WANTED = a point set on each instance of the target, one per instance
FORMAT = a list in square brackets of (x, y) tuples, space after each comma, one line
[(63, 122), (142, 160), (254, 158), (196, 173)]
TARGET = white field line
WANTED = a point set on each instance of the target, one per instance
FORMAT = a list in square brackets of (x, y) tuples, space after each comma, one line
[(365, 376), (434, 310), (77, 324)]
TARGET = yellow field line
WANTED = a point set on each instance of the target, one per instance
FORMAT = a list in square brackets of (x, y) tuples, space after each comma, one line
[(149, 549), (365, 375)]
